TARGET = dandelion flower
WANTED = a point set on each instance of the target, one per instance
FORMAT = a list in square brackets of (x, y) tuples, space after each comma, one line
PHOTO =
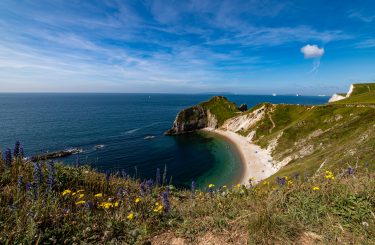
[(66, 192), (80, 202), (116, 204), (238, 185), (98, 195), (224, 186), (316, 188), (137, 200), (211, 185), (130, 216)]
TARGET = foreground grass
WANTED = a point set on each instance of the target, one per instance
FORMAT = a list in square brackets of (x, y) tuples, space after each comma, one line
[(35, 207)]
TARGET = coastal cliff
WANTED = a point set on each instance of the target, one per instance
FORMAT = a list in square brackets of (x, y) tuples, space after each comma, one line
[(298, 137), (210, 114)]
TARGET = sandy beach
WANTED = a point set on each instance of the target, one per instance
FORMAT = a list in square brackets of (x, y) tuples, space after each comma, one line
[(257, 162)]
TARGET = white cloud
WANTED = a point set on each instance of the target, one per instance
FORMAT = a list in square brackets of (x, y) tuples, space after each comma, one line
[(312, 51)]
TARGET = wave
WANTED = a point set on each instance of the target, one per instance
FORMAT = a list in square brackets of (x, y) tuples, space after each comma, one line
[(97, 147), (137, 129), (149, 137)]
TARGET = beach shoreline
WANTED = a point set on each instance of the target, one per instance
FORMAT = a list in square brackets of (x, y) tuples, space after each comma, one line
[(256, 162)]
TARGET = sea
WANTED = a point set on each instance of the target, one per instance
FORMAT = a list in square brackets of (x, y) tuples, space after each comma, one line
[(123, 133)]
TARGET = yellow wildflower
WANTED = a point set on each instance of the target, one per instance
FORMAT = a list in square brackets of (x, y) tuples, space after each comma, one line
[(290, 182), (66, 192), (329, 175), (130, 216), (158, 209), (224, 186), (238, 185), (116, 204), (81, 195), (137, 200), (80, 191), (98, 195), (211, 185), (80, 202), (316, 188), (106, 205), (266, 182), (74, 193)]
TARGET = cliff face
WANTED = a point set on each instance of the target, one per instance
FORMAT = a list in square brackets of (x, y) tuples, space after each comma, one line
[(210, 114), (188, 120)]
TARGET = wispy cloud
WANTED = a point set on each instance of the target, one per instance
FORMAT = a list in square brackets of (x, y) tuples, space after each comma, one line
[(360, 16), (158, 45)]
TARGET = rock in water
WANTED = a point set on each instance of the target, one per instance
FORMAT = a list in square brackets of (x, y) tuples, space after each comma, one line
[(243, 107)]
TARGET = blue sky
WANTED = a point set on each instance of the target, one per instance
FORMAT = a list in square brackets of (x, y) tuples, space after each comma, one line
[(248, 47)]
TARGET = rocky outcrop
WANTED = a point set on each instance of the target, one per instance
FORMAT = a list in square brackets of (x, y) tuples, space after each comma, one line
[(209, 114), (188, 120), (242, 107)]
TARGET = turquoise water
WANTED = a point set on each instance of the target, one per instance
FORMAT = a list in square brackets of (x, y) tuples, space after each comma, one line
[(129, 130)]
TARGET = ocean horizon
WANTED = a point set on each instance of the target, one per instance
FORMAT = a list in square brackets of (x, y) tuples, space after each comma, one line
[(124, 132)]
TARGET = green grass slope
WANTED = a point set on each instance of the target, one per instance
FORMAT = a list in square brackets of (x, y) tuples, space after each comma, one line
[(361, 88), (221, 107), (363, 93), (328, 136), (86, 207)]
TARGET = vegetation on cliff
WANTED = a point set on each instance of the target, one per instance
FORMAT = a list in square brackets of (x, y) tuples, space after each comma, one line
[(210, 113), (47, 203), (304, 138)]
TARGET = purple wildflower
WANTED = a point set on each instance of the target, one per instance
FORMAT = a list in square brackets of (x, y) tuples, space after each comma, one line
[(350, 170), (149, 184), (165, 200), (51, 180), (28, 186), (123, 174), (8, 158), (89, 205), (281, 181), (107, 176), (193, 187), (120, 193), (16, 151), (157, 177), (20, 182), (142, 188), (38, 175)]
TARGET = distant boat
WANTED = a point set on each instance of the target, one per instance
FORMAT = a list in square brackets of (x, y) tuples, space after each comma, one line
[(274, 94), (322, 95), (297, 95)]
